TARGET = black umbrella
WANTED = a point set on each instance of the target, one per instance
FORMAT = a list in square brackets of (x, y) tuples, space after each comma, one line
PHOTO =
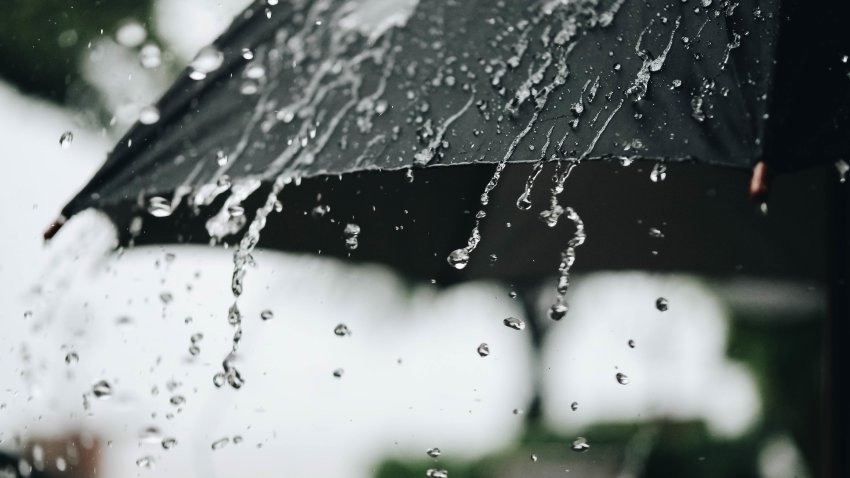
[(341, 114)]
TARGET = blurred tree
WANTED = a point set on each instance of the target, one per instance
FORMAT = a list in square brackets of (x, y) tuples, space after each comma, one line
[(41, 41)]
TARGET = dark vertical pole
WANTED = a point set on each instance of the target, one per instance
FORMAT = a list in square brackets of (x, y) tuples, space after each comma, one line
[(837, 396), (537, 328)]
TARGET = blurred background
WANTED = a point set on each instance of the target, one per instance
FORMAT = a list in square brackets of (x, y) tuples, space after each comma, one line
[(108, 355)]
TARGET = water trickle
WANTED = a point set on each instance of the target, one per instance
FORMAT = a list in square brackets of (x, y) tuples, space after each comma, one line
[(433, 452), (580, 445), (650, 65), (341, 330), (102, 390), (483, 350), (351, 233), (622, 378), (658, 173), (267, 315), (66, 139), (514, 323), (661, 304)]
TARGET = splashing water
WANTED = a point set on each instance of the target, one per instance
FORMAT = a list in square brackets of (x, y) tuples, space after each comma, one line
[(559, 308)]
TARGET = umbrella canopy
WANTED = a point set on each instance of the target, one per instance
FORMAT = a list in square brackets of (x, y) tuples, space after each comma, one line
[(342, 112)]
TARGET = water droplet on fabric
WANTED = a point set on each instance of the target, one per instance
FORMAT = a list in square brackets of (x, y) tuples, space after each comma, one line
[(149, 115), (102, 390), (66, 139), (514, 323), (341, 330), (458, 258), (433, 452), (580, 445), (661, 304), (622, 378), (483, 350), (267, 315)]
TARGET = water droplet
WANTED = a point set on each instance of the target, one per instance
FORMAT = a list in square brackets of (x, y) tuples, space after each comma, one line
[(169, 443), (206, 61), (72, 358), (102, 389), (220, 158), (177, 400), (219, 379), (149, 115), (661, 304), (197, 337), (351, 232), (254, 71), (146, 462), (483, 350), (514, 323), (580, 445), (159, 207), (166, 297), (194, 350), (574, 406), (433, 452), (66, 139), (220, 443), (558, 311), (656, 233), (150, 56), (247, 54), (267, 315), (631, 344), (658, 173), (458, 259), (437, 473), (131, 34), (338, 373), (341, 330), (842, 168), (533, 457), (622, 378)]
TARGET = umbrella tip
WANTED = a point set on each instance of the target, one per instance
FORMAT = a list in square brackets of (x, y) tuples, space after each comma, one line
[(54, 227), (759, 183)]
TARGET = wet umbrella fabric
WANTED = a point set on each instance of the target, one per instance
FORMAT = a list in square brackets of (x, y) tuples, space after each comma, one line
[(330, 97)]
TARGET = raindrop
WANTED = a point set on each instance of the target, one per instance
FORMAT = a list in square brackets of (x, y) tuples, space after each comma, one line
[(150, 56), (166, 297), (220, 443), (574, 406), (350, 233), (102, 389), (194, 350), (266, 315), (247, 54), (433, 452), (656, 233), (580, 445), (842, 168), (195, 338), (131, 34), (658, 173), (72, 358), (558, 311), (338, 373), (483, 350), (514, 323), (437, 473), (631, 344), (341, 330), (169, 443), (148, 115), (661, 304), (177, 400), (219, 379), (66, 139), (254, 71), (159, 207), (622, 378), (206, 61), (458, 259), (533, 457), (146, 462)]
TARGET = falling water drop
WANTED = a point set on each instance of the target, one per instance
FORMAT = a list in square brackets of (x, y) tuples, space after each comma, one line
[(658, 173), (580, 445), (661, 304), (338, 373), (656, 233), (514, 323), (458, 259), (437, 473), (206, 61), (150, 56), (219, 379), (622, 378), (533, 458), (631, 344), (72, 358), (220, 157), (159, 207), (267, 315), (169, 443), (220, 443), (483, 350), (574, 406), (148, 115), (66, 139), (102, 390), (351, 233), (842, 168), (177, 400), (146, 462), (341, 330), (433, 452)]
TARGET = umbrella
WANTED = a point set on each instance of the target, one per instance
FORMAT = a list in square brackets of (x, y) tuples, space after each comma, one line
[(383, 131)]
